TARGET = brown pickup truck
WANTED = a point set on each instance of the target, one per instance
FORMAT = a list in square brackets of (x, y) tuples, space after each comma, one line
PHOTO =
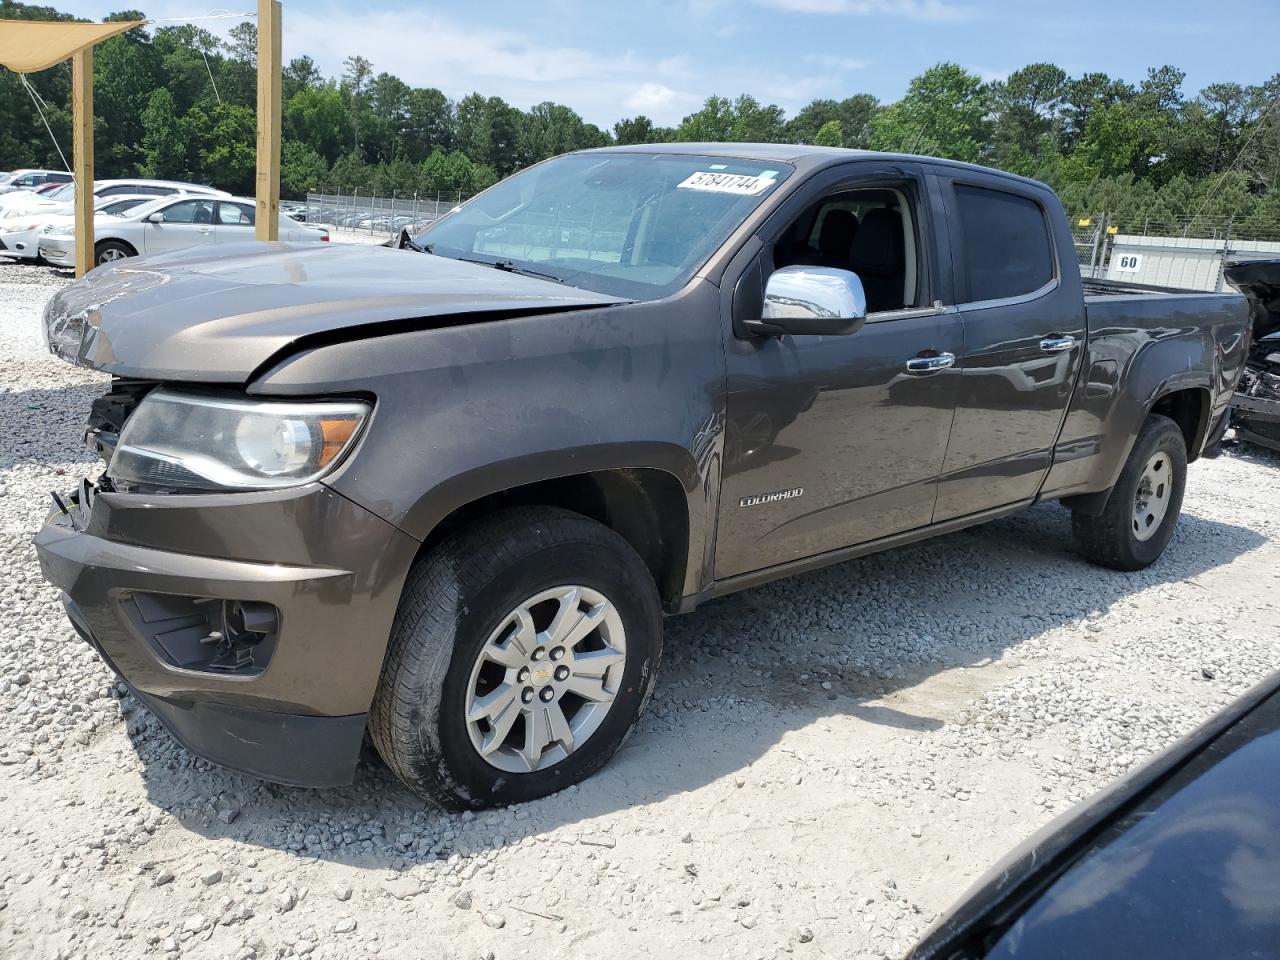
[(448, 491)]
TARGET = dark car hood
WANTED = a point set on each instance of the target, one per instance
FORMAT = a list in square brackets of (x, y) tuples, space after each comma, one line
[(218, 315), (1180, 858)]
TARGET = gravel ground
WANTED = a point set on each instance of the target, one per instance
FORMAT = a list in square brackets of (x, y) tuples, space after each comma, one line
[(827, 763)]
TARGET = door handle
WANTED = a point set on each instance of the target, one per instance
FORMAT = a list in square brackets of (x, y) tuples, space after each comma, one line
[(206, 230), (931, 364), (1056, 343)]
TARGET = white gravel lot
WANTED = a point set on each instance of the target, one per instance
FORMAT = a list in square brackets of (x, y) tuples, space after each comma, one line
[(827, 764)]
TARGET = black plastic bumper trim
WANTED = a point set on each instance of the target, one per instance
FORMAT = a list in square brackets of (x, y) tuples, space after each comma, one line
[(289, 748)]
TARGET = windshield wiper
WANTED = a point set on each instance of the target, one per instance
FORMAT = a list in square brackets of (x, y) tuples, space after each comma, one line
[(510, 266)]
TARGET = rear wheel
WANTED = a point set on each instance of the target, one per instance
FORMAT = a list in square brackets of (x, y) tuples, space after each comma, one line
[(523, 652), (1140, 515), (109, 251)]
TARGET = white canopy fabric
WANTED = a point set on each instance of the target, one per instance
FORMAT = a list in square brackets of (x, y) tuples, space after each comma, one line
[(27, 46)]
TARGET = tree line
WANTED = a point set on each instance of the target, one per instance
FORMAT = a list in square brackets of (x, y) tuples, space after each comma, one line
[(178, 102)]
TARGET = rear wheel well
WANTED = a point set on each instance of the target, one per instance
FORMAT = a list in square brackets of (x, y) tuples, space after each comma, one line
[(1189, 409), (646, 507)]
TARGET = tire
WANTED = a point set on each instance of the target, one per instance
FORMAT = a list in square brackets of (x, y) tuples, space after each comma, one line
[(463, 598), (1123, 537), (108, 251)]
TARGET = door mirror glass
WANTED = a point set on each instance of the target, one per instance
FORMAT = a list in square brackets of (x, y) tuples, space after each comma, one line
[(805, 300), (156, 217)]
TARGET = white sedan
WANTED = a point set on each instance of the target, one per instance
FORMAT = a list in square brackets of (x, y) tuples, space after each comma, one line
[(20, 236), (173, 223)]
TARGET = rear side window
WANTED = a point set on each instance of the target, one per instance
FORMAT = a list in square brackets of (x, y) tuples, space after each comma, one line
[(1006, 243), (235, 214)]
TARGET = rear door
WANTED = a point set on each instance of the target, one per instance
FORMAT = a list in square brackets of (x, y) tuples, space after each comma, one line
[(235, 222), (187, 223), (1024, 335), (833, 441)]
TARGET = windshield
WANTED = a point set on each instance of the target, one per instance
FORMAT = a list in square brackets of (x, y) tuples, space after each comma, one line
[(65, 192), (628, 224)]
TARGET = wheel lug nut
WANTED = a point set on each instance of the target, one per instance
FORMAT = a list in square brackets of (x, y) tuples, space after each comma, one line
[(526, 695), (539, 653), (557, 653), (562, 672), (547, 694), (523, 675)]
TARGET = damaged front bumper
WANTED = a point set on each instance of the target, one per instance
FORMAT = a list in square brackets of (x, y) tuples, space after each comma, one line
[(252, 625)]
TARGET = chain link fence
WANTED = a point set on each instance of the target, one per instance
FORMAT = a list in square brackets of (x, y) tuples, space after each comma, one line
[(355, 215), (1188, 253)]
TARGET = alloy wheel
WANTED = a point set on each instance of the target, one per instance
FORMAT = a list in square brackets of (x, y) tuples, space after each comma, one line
[(545, 679)]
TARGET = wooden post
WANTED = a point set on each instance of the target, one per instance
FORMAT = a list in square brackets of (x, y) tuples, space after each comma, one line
[(82, 155), (267, 221)]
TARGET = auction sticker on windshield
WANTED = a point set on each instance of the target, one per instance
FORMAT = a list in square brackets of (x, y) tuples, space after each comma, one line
[(739, 183)]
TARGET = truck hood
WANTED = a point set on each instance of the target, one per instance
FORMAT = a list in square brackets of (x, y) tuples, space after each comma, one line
[(217, 316)]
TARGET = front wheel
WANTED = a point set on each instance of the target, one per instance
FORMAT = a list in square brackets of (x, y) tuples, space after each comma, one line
[(1140, 515), (523, 652), (109, 251)]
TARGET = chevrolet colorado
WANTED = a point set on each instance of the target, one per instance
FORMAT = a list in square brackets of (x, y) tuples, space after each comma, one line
[(448, 491)]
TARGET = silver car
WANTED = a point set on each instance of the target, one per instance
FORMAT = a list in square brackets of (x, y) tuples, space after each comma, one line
[(172, 223)]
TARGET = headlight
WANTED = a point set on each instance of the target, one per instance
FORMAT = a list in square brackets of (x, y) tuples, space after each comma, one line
[(194, 442)]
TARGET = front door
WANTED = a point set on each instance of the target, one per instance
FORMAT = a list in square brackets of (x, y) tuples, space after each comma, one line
[(834, 441), (187, 223)]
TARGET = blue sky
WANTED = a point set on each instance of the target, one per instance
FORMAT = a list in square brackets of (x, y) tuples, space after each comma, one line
[(615, 59)]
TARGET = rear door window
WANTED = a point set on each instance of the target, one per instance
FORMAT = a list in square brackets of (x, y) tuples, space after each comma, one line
[(1005, 238), (235, 214)]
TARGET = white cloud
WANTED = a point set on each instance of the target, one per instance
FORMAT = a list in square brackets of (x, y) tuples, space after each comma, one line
[(460, 57), (659, 100), (836, 63), (909, 9)]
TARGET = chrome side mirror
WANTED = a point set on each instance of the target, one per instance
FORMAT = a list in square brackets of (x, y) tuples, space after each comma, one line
[(812, 301), (156, 217)]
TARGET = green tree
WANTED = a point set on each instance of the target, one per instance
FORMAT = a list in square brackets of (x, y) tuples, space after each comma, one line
[(302, 170), (634, 130), (944, 114), (742, 120), (429, 122), (164, 142), (853, 114), (357, 74), (549, 129), (223, 139), (831, 134), (1025, 113), (300, 73), (488, 132), (318, 117)]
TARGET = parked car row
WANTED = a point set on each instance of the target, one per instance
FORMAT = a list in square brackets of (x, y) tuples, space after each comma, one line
[(131, 217), (31, 179)]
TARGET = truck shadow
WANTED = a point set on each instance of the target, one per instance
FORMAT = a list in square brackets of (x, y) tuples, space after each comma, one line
[(740, 674)]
